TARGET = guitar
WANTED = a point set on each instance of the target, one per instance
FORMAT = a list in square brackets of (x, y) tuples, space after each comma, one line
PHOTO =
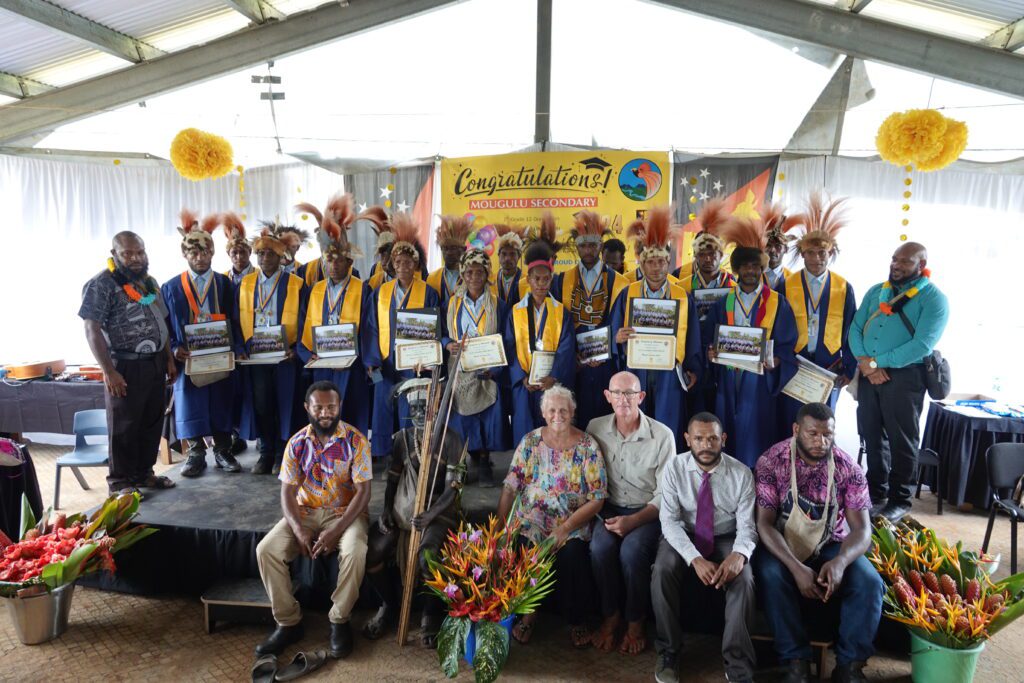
[(26, 371)]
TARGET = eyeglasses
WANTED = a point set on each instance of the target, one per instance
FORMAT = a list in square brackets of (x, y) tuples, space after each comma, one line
[(628, 395)]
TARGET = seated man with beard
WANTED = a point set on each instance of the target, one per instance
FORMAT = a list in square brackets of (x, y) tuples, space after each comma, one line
[(325, 490)]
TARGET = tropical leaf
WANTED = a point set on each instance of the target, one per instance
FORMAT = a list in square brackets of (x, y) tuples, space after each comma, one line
[(1014, 585), (76, 560), (131, 537), (53, 574), (99, 518), (41, 524), (491, 651), (451, 644), (28, 518)]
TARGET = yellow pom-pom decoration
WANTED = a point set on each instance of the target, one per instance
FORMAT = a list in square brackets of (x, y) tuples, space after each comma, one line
[(905, 221), (903, 238), (782, 176), (692, 180), (693, 199), (906, 207), (198, 155), (907, 194), (907, 181), (117, 162), (387, 203), (693, 216), (921, 138), (239, 168)]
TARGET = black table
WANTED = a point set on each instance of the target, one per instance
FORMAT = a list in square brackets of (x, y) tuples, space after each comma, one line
[(961, 442), (50, 407)]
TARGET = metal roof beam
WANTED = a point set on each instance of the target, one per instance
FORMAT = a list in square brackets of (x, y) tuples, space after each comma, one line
[(868, 38), (1009, 37), (20, 87), (542, 101), (256, 11), (253, 45), (856, 6), (97, 35)]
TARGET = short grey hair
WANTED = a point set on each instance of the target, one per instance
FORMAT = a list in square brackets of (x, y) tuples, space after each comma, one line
[(557, 391)]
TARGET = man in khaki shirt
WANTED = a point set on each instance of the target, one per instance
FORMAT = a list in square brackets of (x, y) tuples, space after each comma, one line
[(625, 539)]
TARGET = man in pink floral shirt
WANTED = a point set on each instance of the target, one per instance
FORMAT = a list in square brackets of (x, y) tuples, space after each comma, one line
[(814, 531)]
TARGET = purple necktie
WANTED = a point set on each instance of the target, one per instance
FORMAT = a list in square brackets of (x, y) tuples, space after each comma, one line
[(704, 527)]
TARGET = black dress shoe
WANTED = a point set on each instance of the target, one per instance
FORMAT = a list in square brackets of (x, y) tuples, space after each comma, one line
[(262, 466), (799, 671), (282, 637), (225, 461), (485, 476), (341, 640), (276, 469), (238, 445), (194, 465), (894, 512)]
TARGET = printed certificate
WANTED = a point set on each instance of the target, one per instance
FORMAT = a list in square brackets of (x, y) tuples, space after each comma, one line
[(651, 352), (811, 383), (483, 352), (412, 353), (541, 366)]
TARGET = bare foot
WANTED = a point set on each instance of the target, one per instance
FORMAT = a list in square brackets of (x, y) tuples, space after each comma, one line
[(604, 639), (635, 640)]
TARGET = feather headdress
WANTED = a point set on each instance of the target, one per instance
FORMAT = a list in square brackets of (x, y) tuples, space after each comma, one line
[(269, 237), (381, 222), (654, 232), (454, 230), (407, 235), (749, 236), (196, 234), (509, 237), (590, 225), (234, 230), (546, 232), (821, 222), (777, 223), (476, 257), (710, 218), (334, 223)]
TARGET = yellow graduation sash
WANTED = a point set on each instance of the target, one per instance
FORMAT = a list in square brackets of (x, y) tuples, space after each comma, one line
[(833, 336), (771, 308), (289, 316), (314, 272), (378, 277), (636, 291), (416, 297), (351, 308), (552, 329)]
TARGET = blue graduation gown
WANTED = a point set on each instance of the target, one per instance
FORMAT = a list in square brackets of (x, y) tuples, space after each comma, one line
[(748, 404), (512, 297), (526, 414), (352, 382), (199, 411), (592, 381), (487, 430), (842, 362), (290, 412), (666, 399), (385, 422)]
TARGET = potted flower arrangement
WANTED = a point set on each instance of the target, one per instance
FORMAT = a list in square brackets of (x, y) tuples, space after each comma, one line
[(486, 578), (38, 573), (944, 596)]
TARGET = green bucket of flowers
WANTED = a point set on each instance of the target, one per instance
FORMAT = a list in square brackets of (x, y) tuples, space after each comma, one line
[(944, 595)]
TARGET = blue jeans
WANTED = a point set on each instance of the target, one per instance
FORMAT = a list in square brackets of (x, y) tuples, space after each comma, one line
[(860, 595), (623, 565)]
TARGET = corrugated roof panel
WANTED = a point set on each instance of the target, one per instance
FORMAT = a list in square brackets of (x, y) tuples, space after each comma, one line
[(1002, 11), (78, 69), (926, 16), (27, 47), (293, 6)]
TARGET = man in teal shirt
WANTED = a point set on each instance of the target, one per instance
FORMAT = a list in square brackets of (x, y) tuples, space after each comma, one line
[(897, 326)]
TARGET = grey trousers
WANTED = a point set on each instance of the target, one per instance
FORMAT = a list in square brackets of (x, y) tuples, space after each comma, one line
[(670, 571)]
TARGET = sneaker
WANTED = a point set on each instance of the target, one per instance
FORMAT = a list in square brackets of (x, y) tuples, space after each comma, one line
[(894, 512), (194, 465), (666, 671), (876, 508)]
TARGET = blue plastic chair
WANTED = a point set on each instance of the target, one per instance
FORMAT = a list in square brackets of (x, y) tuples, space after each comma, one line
[(87, 423)]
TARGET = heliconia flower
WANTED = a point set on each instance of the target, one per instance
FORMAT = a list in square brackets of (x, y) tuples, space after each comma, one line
[(450, 590), (477, 572)]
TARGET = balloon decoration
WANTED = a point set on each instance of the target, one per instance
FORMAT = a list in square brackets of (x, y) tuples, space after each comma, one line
[(919, 139), (484, 239), (198, 155)]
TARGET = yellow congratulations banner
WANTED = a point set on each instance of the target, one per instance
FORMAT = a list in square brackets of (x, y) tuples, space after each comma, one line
[(516, 189)]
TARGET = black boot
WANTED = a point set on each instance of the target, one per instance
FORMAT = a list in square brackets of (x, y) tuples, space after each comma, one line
[(799, 672), (238, 444), (264, 464), (849, 673), (341, 641), (196, 462), (485, 471), (282, 637), (225, 461)]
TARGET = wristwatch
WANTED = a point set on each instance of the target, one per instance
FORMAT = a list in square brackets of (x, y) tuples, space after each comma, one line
[(872, 364)]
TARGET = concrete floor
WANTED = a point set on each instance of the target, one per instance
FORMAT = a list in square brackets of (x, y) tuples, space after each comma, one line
[(114, 637)]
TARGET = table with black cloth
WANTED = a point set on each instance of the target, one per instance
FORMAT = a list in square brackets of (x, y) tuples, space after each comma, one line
[(39, 406), (961, 442)]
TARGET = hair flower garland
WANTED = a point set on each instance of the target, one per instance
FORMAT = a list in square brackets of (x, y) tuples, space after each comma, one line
[(129, 288)]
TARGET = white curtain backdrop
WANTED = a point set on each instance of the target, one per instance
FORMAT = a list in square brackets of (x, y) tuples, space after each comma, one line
[(60, 215), (971, 224)]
